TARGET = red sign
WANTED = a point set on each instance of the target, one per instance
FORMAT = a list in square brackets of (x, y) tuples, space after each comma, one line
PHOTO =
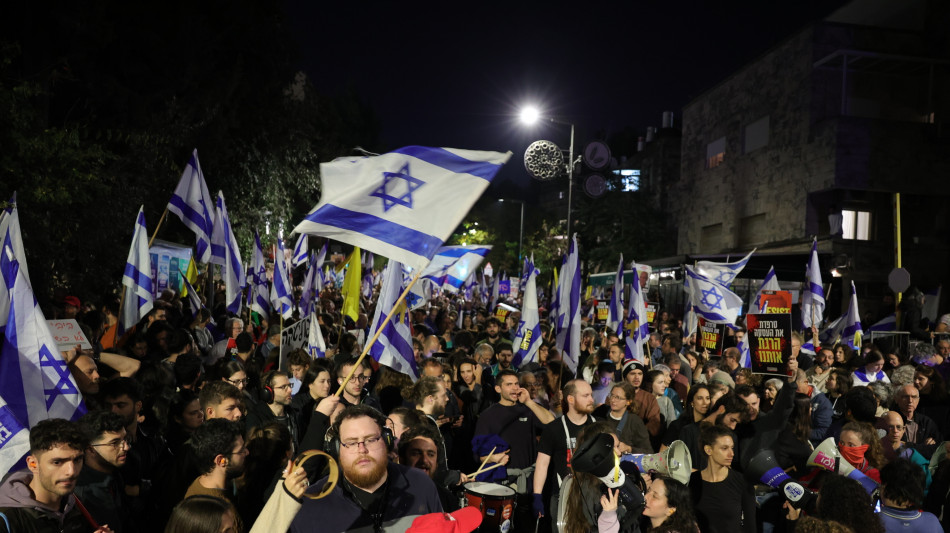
[(770, 342), (775, 302)]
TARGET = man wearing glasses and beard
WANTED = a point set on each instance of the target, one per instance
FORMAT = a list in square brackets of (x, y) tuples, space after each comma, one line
[(373, 495)]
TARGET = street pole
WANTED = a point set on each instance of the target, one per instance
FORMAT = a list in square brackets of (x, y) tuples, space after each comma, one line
[(521, 236), (570, 182)]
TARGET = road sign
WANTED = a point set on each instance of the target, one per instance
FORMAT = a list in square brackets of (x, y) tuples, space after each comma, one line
[(898, 280)]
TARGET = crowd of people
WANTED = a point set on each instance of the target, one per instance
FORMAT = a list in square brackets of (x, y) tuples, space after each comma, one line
[(193, 426)]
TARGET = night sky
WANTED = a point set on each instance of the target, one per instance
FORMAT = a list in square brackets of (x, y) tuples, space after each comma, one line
[(456, 74)]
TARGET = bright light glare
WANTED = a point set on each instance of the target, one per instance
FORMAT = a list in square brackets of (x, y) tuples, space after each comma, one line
[(530, 115)]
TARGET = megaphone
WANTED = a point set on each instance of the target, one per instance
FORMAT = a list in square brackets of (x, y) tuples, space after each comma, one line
[(675, 462), (765, 469), (827, 457), (597, 457)]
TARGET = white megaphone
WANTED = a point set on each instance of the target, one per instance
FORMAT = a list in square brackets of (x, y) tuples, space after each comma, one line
[(827, 457), (675, 461)]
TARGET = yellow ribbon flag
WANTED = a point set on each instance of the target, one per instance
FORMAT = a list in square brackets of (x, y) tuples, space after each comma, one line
[(191, 275), (351, 286)]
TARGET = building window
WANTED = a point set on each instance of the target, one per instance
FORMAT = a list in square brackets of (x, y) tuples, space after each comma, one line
[(756, 135), (710, 241), (715, 152), (856, 225), (753, 230)]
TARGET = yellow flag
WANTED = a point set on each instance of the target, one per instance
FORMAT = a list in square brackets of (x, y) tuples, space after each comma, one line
[(351, 286), (589, 292), (554, 270), (192, 275)]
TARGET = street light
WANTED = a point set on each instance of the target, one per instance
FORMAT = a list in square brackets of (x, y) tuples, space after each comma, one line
[(520, 231), (537, 153)]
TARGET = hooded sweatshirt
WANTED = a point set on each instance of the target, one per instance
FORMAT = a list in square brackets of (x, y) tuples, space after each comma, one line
[(22, 513)]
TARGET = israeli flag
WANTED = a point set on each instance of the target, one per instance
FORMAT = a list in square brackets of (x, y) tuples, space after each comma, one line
[(615, 308), (888, 323), (137, 278), (569, 306), (14, 439), (745, 357), (193, 205), (34, 377), (452, 265), (232, 267), (929, 311), (403, 204), (257, 277), (636, 329), (494, 292), (301, 252), (281, 291), (322, 257), (528, 337), (722, 273), (813, 299), (712, 301), (851, 331), (10, 234), (316, 344), (770, 283), (311, 288), (393, 348)]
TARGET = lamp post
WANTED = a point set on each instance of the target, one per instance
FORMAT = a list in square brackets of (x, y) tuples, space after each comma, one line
[(529, 116), (520, 230)]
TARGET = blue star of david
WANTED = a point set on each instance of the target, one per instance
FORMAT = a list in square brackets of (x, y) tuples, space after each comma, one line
[(405, 199), (64, 385), (716, 297), (725, 277)]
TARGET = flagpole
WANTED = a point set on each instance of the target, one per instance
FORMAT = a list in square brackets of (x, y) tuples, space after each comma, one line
[(157, 227), (379, 331)]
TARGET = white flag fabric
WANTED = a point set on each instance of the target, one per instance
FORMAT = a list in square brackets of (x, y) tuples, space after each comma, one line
[(34, 378), (770, 283), (528, 337), (813, 299), (851, 332), (258, 295), (310, 289), (232, 267), (393, 348), (301, 251), (11, 237), (282, 293), (452, 265), (137, 278), (194, 206), (615, 307), (569, 306), (636, 328), (14, 439), (712, 301), (403, 204), (722, 273), (315, 341)]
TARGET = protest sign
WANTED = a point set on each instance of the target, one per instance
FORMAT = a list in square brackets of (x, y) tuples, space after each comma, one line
[(502, 311), (504, 287), (293, 337), (652, 308), (602, 311), (68, 334), (770, 342), (710, 336), (775, 302), (169, 260)]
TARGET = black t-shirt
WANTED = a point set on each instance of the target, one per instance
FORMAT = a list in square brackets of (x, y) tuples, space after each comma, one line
[(517, 425), (554, 443), (726, 506)]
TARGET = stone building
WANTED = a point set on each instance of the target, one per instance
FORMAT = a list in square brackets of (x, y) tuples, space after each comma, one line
[(814, 139)]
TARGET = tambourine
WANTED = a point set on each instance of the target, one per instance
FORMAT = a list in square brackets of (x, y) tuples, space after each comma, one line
[(332, 478)]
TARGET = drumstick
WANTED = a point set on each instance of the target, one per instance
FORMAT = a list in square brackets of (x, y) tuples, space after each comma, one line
[(487, 458), (496, 465)]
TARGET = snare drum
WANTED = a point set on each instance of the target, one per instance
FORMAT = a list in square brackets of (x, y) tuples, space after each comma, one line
[(496, 502)]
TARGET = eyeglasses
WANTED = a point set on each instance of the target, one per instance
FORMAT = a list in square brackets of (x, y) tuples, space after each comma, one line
[(355, 445), (896, 428), (237, 382), (115, 444), (615, 397), (360, 378), (286, 386)]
